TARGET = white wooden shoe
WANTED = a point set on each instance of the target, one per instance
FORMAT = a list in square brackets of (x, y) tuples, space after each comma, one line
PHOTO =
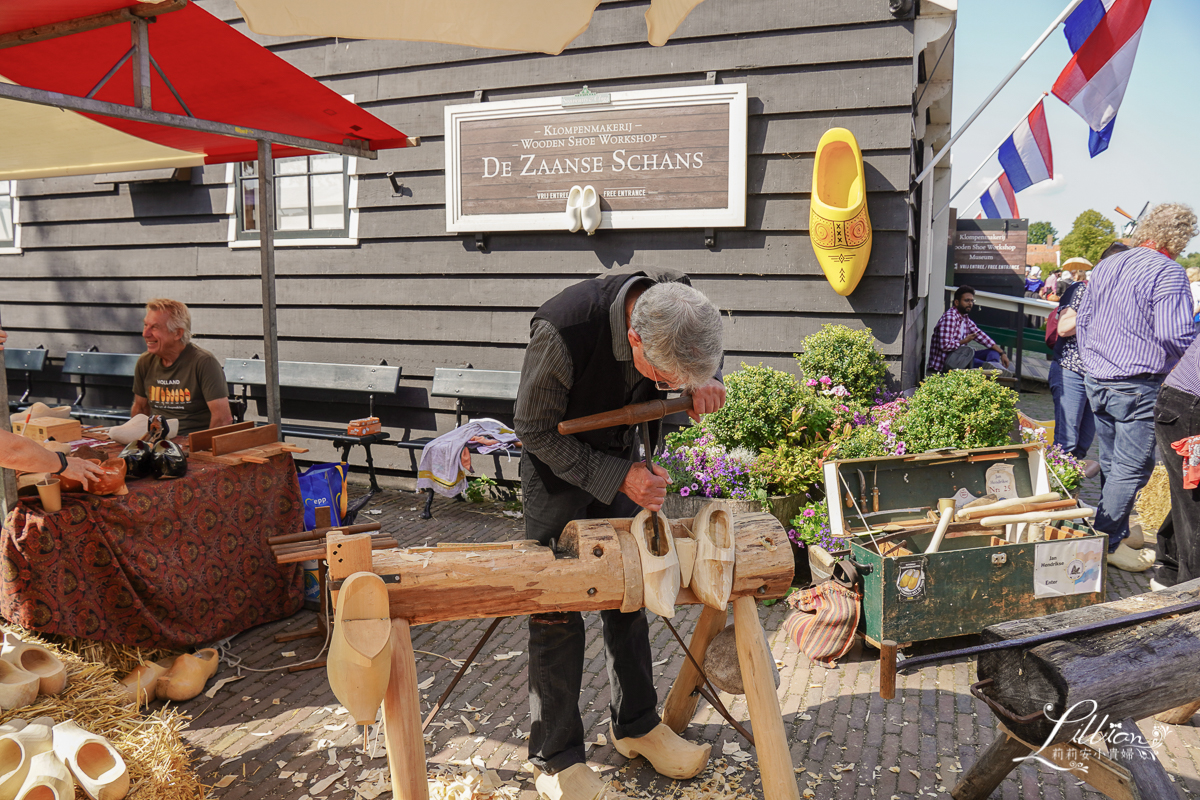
[(669, 754), (18, 688), (589, 210), (19, 743), (660, 571), (95, 763), (52, 675), (686, 549), (360, 654), (48, 779), (576, 782), (712, 577), (574, 201)]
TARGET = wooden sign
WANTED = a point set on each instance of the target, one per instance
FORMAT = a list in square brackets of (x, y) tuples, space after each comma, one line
[(663, 158), (991, 246)]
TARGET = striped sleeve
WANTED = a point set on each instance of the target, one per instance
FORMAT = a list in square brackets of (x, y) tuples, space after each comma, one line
[(1174, 324), (546, 381)]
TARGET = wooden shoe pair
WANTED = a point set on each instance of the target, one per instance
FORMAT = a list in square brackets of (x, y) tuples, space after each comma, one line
[(39, 758), (178, 679), (96, 765), (27, 670)]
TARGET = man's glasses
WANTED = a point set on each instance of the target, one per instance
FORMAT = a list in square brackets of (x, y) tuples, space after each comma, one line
[(659, 383)]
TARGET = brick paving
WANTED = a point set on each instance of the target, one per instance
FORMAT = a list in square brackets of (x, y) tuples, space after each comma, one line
[(279, 734)]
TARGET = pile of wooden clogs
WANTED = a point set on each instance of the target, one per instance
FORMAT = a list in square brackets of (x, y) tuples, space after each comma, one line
[(180, 678), (39, 759), (27, 670)]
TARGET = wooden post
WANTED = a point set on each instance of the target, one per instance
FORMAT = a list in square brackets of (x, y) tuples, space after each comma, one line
[(766, 718), (1181, 715), (990, 770), (887, 669), (402, 720), (681, 702)]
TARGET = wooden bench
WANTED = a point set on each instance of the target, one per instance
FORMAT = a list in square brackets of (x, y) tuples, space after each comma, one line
[(370, 380), (29, 361), (92, 364), (472, 389)]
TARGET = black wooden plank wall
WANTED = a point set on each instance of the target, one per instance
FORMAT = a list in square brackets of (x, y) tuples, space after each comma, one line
[(421, 298)]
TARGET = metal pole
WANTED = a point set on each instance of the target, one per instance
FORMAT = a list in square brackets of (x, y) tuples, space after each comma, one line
[(1028, 53), (1020, 340), (266, 237), (9, 497)]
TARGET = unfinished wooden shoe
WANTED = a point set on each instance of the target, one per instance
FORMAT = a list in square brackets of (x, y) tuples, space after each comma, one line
[(660, 570), (52, 675), (19, 743), (48, 779), (360, 653), (712, 577), (141, 685), (685, 547), (187, 676), (576, 782), (18, 688), (97, 766), (669, 754)]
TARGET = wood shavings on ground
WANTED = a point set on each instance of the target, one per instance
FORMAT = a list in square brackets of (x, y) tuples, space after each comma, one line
[(216, 687), (158, 761), (507, 656), (1153, 502), (470, 781)]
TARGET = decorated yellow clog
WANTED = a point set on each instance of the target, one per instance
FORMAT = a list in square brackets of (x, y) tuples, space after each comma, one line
[(838, 224)]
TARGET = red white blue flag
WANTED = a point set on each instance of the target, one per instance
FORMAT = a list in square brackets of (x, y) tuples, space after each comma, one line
[(1026, 155), (1103, 35), (1000, 201)]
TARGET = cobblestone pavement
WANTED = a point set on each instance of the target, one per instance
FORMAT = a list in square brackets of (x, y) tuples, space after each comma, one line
[(279, 734)]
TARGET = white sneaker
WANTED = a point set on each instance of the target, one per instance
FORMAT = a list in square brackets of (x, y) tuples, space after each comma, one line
[(589, 210), (571, 215)]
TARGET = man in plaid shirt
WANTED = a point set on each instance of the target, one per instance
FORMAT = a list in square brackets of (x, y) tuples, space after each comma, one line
[(955, 329)]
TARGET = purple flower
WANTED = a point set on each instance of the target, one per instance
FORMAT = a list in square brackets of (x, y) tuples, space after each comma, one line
[(684, 492), (809, 512), (900, 449), (694, 487)]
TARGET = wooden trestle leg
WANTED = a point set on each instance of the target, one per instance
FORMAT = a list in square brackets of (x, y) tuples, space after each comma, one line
[(766, 717), (681, 702), (402, 720)]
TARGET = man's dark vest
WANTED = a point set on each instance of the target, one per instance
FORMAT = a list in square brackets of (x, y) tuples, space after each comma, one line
[(580, 314)]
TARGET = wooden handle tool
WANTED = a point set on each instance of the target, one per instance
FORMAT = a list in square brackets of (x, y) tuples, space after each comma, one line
[(629, 415), (999, 505), (1037, 516)]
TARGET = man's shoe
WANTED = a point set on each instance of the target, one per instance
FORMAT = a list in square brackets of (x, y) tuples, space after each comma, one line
[(48, 779), (576, 782), (1130, 560), (667, 752)]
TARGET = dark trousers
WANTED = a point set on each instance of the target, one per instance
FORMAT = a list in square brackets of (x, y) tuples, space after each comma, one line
[(1177, 416), (557, 642)]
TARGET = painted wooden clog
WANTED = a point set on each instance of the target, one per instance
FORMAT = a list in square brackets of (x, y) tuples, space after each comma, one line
[(19, 743), (712, 576), (96, 765), (52, 675), (660, 570), (838, 225), (187, 676), (48, 779), (360, 653)]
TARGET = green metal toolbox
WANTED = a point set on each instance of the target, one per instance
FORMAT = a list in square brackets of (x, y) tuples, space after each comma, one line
[(976, 578)]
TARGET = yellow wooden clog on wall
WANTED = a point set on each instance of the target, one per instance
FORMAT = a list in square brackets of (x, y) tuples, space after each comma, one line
[(838, 224)]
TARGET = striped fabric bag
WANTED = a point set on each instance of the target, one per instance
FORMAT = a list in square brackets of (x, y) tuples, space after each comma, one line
[(826, 616)]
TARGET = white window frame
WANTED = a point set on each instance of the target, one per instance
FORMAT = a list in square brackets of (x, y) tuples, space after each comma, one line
[(13, 249), (350, 240)]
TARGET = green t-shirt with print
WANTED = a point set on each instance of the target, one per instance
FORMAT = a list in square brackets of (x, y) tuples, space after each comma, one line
[(183, 390)]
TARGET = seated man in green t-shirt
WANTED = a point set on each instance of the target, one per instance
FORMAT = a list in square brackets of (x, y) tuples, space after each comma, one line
[(176, 378)]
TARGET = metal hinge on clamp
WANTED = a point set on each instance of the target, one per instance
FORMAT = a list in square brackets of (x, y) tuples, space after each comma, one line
[(335, 585)]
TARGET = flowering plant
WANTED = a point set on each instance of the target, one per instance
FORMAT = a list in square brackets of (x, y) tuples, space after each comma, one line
[(877, 432), (698, 465), (811, 527), (1062, 465), (847, 357)]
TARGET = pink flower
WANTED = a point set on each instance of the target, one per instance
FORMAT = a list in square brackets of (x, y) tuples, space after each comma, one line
[(811, 382), (808, 512), (684, 492), (826, 380)]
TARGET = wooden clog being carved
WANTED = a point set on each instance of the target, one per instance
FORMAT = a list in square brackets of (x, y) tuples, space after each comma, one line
[(187, 676), (141, 685), (19, 743), (686, 549), (18, 688), (48, 779), (576, 782), (95, 763), (669, 754), (660, 570), (52, 675), (712, 577), (360, 653)]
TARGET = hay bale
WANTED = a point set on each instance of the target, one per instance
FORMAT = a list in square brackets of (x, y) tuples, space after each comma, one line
[(158, 760), (1153, 502)]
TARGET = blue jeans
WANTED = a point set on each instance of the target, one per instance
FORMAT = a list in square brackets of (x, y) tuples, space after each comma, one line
[(1124, 410), (1074, 423), (984, 356)]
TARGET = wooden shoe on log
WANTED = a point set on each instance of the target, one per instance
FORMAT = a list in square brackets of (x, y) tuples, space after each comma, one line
[(576, 782), (48, 779), (18, 688), (187, 676), (712, 577), (95, 763), (141, 685), (360, 653), (686, 550), (19, 743), (660, 570), (52, 675), (669, 754)]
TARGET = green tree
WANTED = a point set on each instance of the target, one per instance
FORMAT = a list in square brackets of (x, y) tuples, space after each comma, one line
[(1047, 268), (1038, 231), (1090, 236), (1190, 260)]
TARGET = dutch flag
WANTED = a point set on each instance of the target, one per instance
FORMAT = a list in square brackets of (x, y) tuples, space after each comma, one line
[(1000, 201), (1103, 35), (1026, 155)]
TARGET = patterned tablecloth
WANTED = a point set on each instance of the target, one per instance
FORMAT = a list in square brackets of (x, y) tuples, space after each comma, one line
[(174, 563)]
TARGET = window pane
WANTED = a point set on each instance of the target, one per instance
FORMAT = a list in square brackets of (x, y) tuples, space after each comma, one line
[(4, 188), (250, 205), (293, 203), (249, 169), (326, 163), (328, 202), (6, 227), (291, 166)]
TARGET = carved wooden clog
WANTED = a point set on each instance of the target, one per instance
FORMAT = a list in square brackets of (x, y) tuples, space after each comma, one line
[(52, 675), (187, 676), (360, 653), (97, 766), (685, 547), (667, 752), (19, 743), (48, 779), (141, 685), (576, 782), (660, 570), (712, 576), (18, 688)]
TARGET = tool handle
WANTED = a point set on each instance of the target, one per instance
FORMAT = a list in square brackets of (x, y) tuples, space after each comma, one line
[(629, 415), (1036, 516), (992, 508)]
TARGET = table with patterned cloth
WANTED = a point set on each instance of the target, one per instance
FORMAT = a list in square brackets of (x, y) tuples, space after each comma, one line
[(174, 563)]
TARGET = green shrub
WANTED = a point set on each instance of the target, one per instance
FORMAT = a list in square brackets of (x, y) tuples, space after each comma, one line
[(961, 408), (848, 357), (758, 406)]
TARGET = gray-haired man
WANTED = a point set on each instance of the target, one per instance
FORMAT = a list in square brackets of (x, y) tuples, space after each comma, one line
[(597, 346)]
